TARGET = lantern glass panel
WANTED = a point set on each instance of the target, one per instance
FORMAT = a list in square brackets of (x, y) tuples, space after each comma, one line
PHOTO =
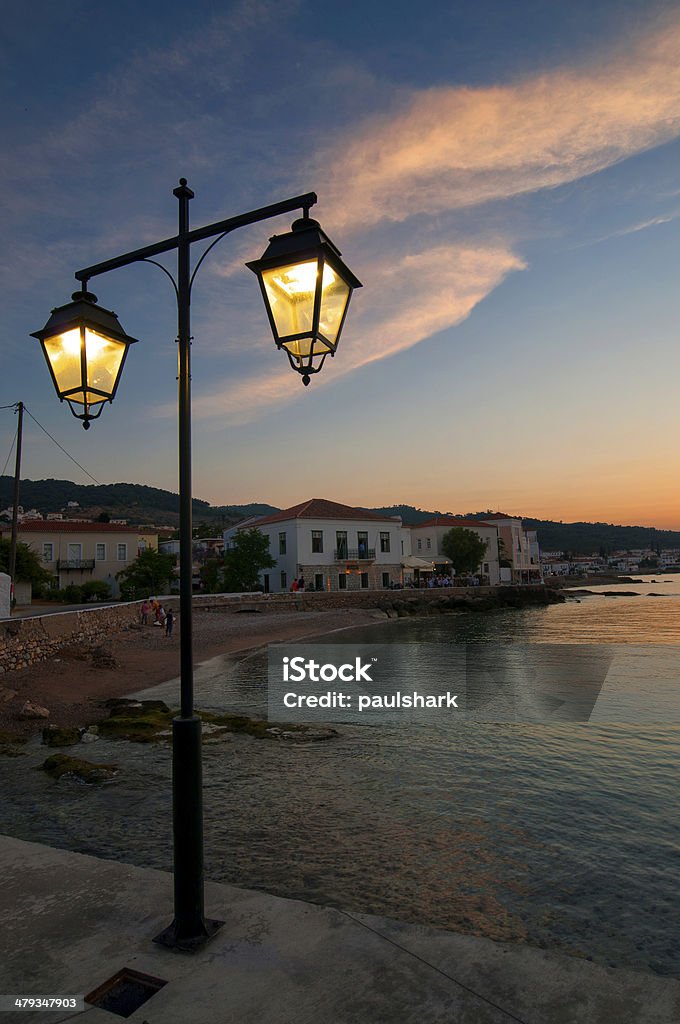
[(63, 352), (290, 292), (91, 401), (333, 303), (104, 358), (302, 348)]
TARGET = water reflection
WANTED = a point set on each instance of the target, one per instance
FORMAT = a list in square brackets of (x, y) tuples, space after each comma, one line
[(562, 834)]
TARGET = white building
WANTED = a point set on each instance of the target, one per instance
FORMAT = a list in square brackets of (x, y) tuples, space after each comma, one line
[(426, 545), (332, 546), (519, 547), (555, 567)]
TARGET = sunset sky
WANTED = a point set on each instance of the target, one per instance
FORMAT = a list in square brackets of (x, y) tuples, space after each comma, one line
[(503, 178)]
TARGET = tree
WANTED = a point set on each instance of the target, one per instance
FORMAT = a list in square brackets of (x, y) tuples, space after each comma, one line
[(103, 517), (150, 573), (465, 548), (244, 561), (28, 566), (95, 590)]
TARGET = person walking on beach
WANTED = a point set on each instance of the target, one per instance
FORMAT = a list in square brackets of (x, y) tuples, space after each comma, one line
[(145, 613), (294, 587), (169, 620), (301, 583)]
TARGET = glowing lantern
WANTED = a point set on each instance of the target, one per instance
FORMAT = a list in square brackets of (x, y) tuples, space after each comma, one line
[(306, 289)]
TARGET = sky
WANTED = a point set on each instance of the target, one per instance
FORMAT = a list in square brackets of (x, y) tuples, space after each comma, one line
[(502, 178)]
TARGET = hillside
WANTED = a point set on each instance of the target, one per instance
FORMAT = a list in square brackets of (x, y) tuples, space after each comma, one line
[(593, 538), (135, 502), (576, 538), (141, 504)]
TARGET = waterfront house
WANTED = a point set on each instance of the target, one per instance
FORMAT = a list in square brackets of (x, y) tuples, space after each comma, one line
[(75, 552), (333, 546), (426, 545), (518, 547)]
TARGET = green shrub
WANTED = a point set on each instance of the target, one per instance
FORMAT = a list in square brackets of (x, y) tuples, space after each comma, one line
[(96, 590)]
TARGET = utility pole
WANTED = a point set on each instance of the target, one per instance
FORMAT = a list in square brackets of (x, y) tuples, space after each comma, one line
[(15, 510)]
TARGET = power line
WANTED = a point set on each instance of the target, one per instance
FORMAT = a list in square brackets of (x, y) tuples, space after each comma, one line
[(61, 447), (11, 447), (68, 455)]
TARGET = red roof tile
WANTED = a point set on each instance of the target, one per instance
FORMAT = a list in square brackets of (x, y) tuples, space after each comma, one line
[(59, 526), (451, 521), (321, 508)]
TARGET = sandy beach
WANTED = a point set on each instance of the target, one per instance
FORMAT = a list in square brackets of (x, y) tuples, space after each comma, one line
[(72, 687)]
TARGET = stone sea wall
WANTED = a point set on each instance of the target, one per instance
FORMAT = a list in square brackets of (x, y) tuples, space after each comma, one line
[(407, 601), (24, 641)]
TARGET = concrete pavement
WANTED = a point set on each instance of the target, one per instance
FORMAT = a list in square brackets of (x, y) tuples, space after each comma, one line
[(69, 922)]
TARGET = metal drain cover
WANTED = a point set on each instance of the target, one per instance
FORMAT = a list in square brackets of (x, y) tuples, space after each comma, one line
[(125, 992)]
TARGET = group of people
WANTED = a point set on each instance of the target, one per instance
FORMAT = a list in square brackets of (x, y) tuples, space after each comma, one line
[(160, 617), (297, 585), (440, 581)]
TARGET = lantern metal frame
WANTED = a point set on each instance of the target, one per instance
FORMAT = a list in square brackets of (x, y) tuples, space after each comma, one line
[(306, 242), (83, 314), (190, 929)]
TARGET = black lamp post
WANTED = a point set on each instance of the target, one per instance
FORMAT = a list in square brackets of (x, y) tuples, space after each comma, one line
[(307, 289)]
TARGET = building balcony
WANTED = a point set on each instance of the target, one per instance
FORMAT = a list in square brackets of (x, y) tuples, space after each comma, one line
[(75, 564), (354, 555)]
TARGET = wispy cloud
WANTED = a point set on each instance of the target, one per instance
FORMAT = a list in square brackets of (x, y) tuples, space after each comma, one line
[(452, 147), (631, 229), (446, 149), (414, 297)]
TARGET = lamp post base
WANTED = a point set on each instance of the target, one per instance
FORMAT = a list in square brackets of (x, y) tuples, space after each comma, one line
[(170, 938)]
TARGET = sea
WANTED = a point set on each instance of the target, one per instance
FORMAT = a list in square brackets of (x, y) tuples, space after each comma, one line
[(560, 834)]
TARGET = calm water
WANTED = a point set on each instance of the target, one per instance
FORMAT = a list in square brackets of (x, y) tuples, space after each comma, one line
[(564, 835)]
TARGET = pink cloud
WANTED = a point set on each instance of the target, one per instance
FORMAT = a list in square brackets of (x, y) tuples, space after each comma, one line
[(411, 298), (451, 147)]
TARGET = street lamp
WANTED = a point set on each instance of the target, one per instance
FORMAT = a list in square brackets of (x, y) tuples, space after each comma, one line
[(307, 289), (85, 348)]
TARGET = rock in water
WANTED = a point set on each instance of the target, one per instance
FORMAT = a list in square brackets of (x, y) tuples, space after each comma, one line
[(57, 736)]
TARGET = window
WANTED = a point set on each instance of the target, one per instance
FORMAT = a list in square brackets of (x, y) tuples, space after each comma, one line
[(282, 543), (74, 552), (386, 579), (48, 552), (486, 568), (342, 581), (100, 552), (420, 544), (341, 544), (362, 541), (284, 577), (121, 552), (429, 543), (317, 541), (318, 581), (364, 581), (385, 541)]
